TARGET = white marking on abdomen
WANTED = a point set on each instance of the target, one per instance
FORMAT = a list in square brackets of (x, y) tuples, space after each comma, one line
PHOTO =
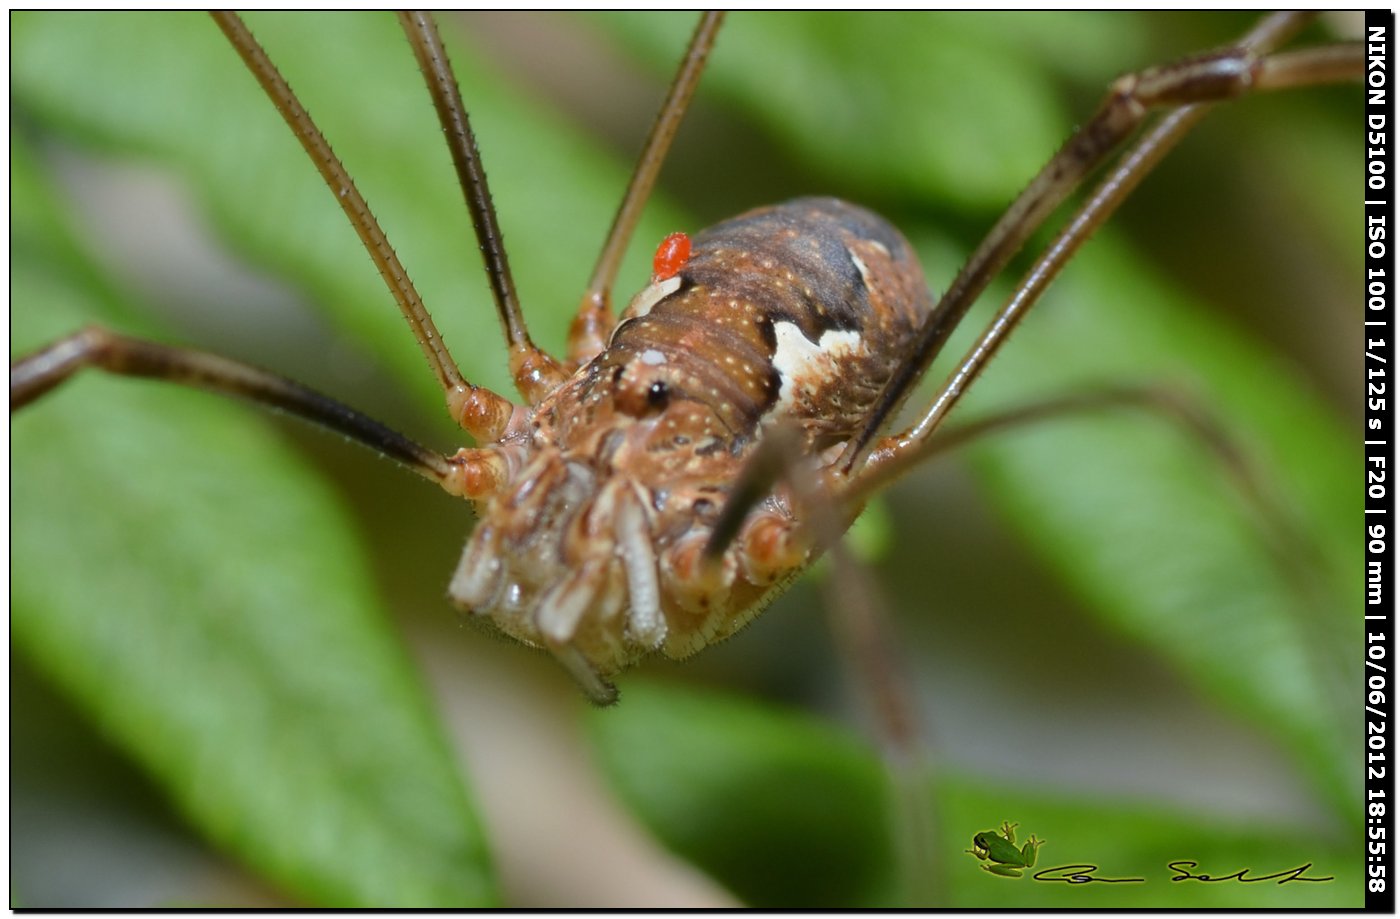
[(804, 366)]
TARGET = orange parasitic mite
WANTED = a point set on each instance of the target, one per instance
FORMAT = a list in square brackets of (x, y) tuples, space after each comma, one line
[(670, 257)]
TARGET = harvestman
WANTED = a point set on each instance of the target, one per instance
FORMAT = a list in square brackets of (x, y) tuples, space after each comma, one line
[(684, 461)]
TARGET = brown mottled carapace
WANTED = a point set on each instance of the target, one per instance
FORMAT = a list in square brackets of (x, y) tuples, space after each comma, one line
[(592, 543)]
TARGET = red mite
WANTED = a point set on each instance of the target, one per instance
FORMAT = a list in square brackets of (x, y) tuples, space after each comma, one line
[(670, 257)]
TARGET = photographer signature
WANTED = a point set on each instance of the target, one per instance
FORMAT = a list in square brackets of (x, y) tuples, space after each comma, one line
[(1085, 874), (1000, 856)]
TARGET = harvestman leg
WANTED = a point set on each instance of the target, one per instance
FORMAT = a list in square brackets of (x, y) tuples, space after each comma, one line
[(1289, 542), (590, 328), (481, 412), (861, 627), (1185, 87), (1242, 70), (537, 374), (860, 619), (35, 374), (484, 414)]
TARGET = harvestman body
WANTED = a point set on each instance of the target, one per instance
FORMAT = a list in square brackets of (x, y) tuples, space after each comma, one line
[(630, 507), (594, 545)]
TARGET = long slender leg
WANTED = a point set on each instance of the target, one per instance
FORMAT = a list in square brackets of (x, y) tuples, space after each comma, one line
[(892, 459), (590, 328), (856, 608), (535, 373), (860, 622), (481, 412), (858, 615), (35, 374), (778, 459), (1325, 64), (1292, 547), (1196, 420), (1184, 86), (866, 636)]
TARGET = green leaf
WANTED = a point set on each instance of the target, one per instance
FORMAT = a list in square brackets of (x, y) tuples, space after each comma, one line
[(211, 612), (1126, 839), (788, 813), (961, 112), (785, 811), (1266, 629)]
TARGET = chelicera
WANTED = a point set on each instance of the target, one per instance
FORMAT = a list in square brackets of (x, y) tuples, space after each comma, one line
[(602, 492)]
